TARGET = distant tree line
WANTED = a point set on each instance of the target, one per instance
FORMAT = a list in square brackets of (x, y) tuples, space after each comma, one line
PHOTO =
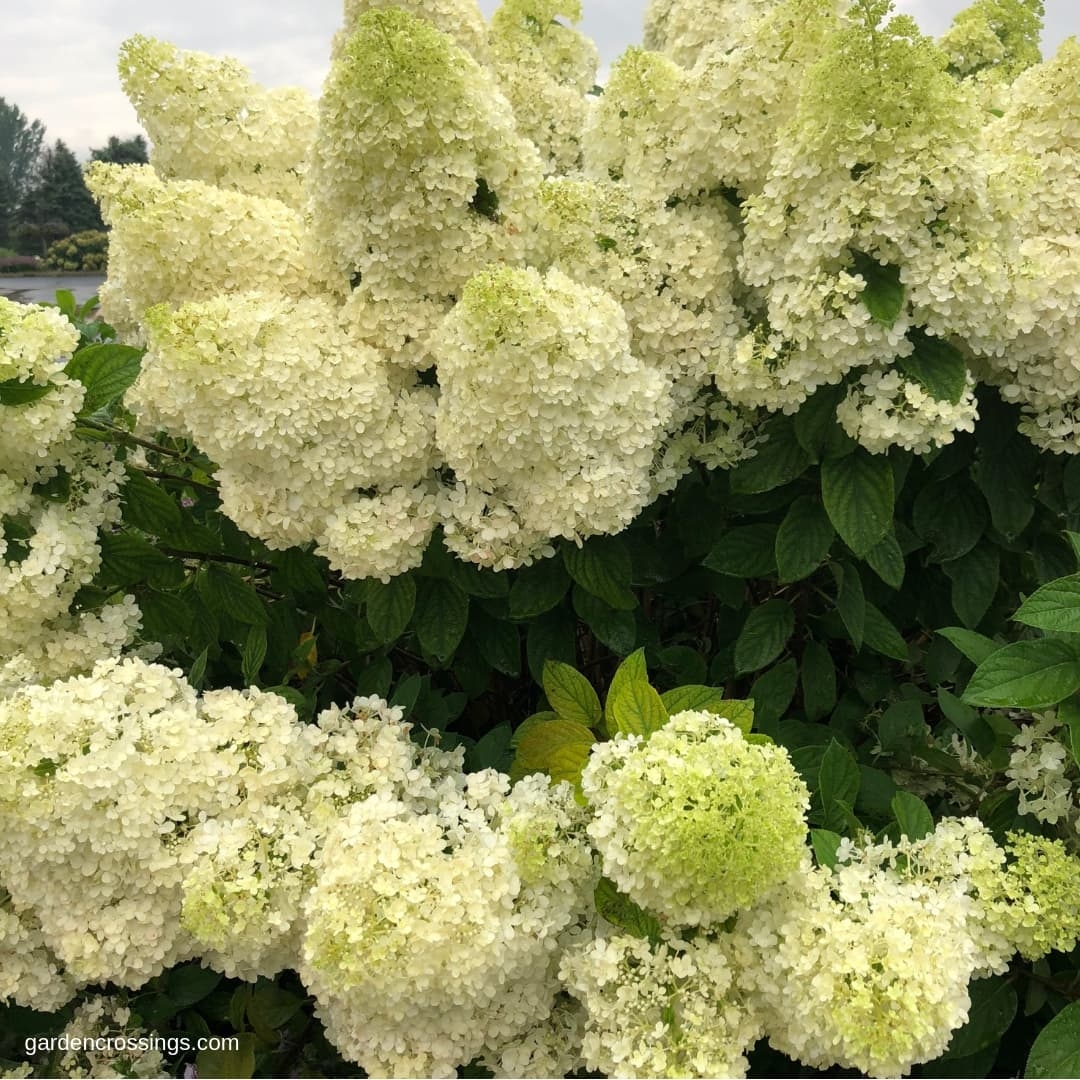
[(43, 196)]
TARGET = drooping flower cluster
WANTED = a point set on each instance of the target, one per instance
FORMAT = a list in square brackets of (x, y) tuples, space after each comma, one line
[(1039, 770)]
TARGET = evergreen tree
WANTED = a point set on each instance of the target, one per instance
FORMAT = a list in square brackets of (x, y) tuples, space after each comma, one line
[(133, 151), (20, 148), (59, 202)]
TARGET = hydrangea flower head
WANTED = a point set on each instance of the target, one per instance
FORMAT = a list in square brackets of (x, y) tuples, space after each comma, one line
[(695, 823)]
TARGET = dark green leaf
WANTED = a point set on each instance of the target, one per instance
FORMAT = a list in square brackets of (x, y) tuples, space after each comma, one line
[(902, 722), (976, 647), (935, 364), (818, 431), (992, 1011), (883, 296), (744, 552), (772, 692), (390, 606), (974, 578), (825, 844), (15, 392), (253, 653), (851, 602), (1056, 1050), (538, 588), (777, 462), (858, 494), (883, 637), (968, 722), (441, 615), (127, 559), (887, 560), (621, 911), (764, 635), (106, 371), (803, 540), (552, 636), (950, 515), (818, 681), (838, 780), (603, 567), (148, 506), (190, 983), (1055, 606), (226, 592), (912, 815), (499, 641), (613, 628)]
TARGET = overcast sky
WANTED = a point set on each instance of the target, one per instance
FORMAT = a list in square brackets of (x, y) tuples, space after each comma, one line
[(59, 56)]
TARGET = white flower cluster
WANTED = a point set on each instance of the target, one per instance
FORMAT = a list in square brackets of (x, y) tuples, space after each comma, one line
[(208, 121), (695, 823), (1038, 771), (318, 429), (675, 1009), (548, 420), (56, 492), (434, 934)]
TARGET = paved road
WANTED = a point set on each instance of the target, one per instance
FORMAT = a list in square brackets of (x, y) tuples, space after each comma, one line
[(41, 288)]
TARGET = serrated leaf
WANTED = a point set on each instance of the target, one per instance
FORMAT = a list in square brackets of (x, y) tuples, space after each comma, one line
[(912, 815), (253, 653), (772, 692), (390, 607), (745, 552), (886, 559), (16, 392), (148, 506), (621, 911), (636, 708), (936, 365), (441, 615), (224, 591), (764, 635), (693, 698), (1027, 675), (197, 673), (883, 295), (1055, 606), (614, 628), (127, 559), (1056, 1050), (818, 431), (557, 747), (603, 567), (106, 371), (571, 695), (803, 539), (777, 462), (270, 1006), (858, 492), (838, 780), (538, 588)]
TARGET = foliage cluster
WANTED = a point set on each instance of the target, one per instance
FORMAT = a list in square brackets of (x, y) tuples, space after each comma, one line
[(88, 250)]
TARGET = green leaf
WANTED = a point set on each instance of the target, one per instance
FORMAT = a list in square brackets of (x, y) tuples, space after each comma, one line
[(825, 844), (571, 695), (106, 371), (148, 506), (1056, 1050), (744, 552), (633, 706), (992, 1011), (552, 636), (538, 588), (912, 815), (603, 567), (1069, 715), (974, 578), (442, 613), (253, 653), (936, 365), (1055, 606), (127, 559), (851, 602), (803, 540), (968, 722), (952, 516), (764, 635), (270, 1007), (777, 462), (190, 983), (976, 647), (902, 723), (15, 392), (390, 606), (883, 637), (1026, 675), (557, 747), (197, 673), (883, 295), (838, 780), (772, 693), (222, 590), (238, 1064), (858, 494), (739, 713), (818, 431), (613, 628), (818, 681), (694, 699), (499, 641), (621, 911), (887, 560)]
